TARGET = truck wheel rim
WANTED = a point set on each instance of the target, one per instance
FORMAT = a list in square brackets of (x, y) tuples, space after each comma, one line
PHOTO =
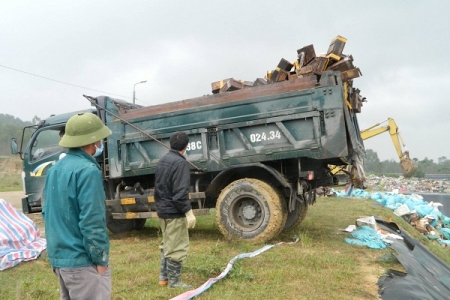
[(247, 213)]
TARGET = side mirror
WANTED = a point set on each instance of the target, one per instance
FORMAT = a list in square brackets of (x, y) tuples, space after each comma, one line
[(14, 146)]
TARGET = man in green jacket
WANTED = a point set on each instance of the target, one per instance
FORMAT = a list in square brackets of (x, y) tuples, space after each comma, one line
[(74, 213)]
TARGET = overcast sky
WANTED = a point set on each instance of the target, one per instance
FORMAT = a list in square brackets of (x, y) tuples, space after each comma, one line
[(180, 47)]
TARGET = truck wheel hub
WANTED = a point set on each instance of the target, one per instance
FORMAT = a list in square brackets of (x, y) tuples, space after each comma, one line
[(249, 212)]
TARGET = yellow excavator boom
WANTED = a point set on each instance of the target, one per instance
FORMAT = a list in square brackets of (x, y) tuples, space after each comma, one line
[(393, 131), (408, 166)]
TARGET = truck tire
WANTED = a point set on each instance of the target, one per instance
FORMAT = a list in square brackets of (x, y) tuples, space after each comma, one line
[(139, 223), (123, 225), (250, 209), (120, 226), (296, 216)]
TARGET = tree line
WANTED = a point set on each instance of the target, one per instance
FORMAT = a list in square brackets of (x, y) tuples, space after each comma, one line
[(11, 127), (373, 165)]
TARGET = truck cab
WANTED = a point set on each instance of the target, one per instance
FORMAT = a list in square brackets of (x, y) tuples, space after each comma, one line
[(39, 154)]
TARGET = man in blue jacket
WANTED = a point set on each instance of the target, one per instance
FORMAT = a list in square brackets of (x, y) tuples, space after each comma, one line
[(172, 181), (74, 213)]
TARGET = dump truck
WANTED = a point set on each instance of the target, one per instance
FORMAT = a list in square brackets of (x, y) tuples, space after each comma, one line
[(256, 154)]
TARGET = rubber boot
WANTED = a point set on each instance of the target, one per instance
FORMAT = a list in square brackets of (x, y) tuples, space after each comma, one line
[(174, 274), (163, 280)]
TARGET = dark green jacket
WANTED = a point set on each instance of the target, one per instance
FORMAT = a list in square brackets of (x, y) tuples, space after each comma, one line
[(74, 212)]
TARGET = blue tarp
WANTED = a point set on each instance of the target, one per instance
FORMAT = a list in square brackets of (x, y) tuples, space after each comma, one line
[(366, 236), (20, 238), (394, 201), (414, 202)]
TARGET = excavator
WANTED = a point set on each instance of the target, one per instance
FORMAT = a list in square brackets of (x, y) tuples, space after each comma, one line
[(408, 166)]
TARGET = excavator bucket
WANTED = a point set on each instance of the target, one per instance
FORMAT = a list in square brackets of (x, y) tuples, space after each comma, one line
[(409, 167)]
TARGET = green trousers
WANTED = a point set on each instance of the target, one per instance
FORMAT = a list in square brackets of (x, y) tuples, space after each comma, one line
[(175, 243)]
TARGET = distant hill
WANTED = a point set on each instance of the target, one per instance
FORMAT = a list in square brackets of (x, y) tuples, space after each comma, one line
[(10, 165), (10, 127)]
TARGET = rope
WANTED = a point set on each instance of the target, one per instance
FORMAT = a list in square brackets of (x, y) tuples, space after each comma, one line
[(92, 100)]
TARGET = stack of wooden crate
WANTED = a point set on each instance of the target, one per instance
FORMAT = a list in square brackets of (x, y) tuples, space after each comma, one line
[(307, 66)]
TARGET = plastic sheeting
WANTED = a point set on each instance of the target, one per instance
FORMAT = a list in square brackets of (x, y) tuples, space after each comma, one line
[(366, 236), (195, 292), (20, 238), (426, 277), (413, 203)]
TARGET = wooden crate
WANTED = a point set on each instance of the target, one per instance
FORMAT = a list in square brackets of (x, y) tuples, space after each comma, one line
[(285, 65), (304, 70), (320, 65), (215, 86), (350, 74), (309, 52), (336, 48), (259, 81), (229, 84), (344, 64), (278, 75)]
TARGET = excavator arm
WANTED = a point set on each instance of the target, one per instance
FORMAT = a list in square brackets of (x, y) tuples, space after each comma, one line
[(408, 166)]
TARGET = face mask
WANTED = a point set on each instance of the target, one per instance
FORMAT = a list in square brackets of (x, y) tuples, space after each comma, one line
[(98, 151)]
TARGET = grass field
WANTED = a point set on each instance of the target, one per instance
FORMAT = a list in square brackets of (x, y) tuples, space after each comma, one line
[(10, 182), (10, 170), (319, 266)]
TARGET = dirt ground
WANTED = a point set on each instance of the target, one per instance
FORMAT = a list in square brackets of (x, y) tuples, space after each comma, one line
[(15, 198)]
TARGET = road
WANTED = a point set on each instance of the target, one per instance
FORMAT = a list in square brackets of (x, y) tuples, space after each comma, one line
[(15, 198)]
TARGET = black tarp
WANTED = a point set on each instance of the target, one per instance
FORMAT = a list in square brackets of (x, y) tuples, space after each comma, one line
[(426, 277)]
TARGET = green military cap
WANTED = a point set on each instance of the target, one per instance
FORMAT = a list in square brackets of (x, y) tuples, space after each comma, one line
[(83, 129)]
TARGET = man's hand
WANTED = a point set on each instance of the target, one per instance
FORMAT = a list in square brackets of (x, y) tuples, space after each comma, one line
[(101, 269), (190, 218)]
